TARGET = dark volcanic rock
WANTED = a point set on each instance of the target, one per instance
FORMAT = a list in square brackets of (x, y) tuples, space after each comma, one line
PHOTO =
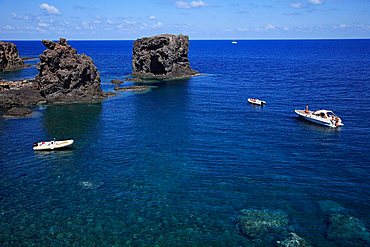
[(65, 76), (18, 112), (293, 240), (162, 57), (9, 57), (20, 97)]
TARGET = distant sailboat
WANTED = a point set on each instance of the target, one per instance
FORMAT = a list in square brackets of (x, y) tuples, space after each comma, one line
[(234, 42)]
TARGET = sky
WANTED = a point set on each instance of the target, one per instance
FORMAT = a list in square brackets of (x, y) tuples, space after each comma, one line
[(200, 19)]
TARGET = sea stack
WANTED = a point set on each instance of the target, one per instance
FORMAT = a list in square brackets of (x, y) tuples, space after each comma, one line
[(162, 57), (67, 77), (9, 57)]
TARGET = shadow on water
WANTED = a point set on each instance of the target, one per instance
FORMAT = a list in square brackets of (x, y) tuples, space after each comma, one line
[(72, 121)]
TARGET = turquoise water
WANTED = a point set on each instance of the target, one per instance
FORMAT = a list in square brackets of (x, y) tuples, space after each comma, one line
[(174, 166)]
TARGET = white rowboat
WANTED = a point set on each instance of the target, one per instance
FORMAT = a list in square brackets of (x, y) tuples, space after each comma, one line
[(51, 145), (256, 101)]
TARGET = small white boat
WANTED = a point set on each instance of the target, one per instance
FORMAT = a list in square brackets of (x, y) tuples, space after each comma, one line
[(322, 117), (234, 42), (51, 145), (256, 101)]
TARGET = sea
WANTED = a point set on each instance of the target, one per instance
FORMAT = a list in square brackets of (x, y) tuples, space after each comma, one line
[(176, 165)]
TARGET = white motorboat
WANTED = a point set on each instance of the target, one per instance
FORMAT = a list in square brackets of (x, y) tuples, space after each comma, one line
[(256, 101), (51, 145), (323, 117), (234, 42)]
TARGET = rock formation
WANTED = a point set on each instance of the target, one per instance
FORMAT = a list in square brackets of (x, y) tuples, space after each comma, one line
[(9, 57), (162, 57), (65, 76)]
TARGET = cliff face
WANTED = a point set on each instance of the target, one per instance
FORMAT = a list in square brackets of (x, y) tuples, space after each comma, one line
[(9, 57), (65, 76), (162, 57)]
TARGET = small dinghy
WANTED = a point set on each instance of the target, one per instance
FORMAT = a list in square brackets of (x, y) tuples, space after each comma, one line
[(256, 101), (51, 145), (322, 117)]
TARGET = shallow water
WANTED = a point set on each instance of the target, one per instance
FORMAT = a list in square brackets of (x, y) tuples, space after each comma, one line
[(175, 166)]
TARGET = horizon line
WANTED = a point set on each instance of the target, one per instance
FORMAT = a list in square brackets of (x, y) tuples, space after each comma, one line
[(210, 39)]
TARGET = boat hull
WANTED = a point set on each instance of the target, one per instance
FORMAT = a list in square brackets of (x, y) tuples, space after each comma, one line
[(52, 145), (317, 120), (256, 102)]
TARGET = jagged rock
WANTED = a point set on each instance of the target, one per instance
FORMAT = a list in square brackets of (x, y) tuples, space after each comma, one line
[(162, 57), (65, 76), (117, 82), (347, 230), (261, 224), (293, 240), (9, 57), (18, 112)]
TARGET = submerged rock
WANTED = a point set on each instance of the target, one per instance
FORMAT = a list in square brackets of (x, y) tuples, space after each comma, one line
[(65, 76), (132, 88), (116, 81), (9, 57), (293, 240), (162, 57), (18, 112), (259, 224), (88, 185), (329, 207), (347, 230)]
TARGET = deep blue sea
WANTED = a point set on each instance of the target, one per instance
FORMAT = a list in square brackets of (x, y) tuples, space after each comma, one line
[(176, 165)]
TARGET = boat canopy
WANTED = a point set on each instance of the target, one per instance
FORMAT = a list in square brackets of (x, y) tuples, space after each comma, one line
[(324, 113)]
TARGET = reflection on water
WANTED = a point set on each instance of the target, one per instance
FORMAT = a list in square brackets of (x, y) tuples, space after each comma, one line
[(313, 126), (61, 153)]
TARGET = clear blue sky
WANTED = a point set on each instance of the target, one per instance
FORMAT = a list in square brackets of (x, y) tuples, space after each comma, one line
[(200, 19)]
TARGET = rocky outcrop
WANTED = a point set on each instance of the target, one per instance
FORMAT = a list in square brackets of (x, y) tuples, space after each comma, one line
[(18, 112), (65, 76), (162, 57), (9, 57)]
